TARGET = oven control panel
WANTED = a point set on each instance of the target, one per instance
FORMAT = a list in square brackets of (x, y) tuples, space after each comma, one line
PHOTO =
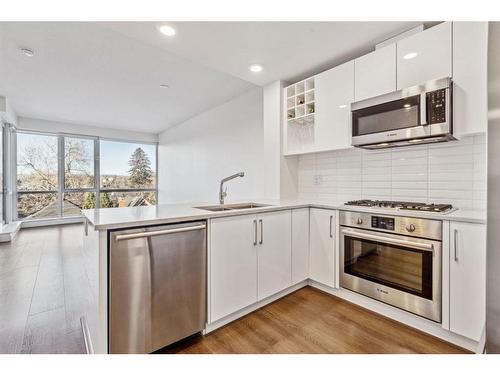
[(381, 222), (404, 225)]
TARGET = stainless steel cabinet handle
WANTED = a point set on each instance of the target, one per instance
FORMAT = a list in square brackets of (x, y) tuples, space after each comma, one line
[(393, 241), (86, 227), (261, 232), (255, 232), (423, 109), (132, 236), (331, 231), (455, 244)]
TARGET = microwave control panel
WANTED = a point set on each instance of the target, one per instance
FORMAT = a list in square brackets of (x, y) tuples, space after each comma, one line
[(436, 106)]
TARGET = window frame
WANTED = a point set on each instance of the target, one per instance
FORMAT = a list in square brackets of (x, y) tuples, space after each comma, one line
[(61, 173)]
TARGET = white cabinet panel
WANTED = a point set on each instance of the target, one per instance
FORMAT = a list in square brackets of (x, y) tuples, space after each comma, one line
[(233, 265), (322, 246), (274, 253), (470, 93), (467, 279), (300, 245), (375, 73), (433, 57), (334, 91)]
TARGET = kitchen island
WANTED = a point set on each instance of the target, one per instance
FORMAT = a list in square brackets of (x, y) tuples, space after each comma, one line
[(101, 223)]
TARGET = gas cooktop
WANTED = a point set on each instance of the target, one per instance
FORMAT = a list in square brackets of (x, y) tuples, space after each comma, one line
[(411, 206)]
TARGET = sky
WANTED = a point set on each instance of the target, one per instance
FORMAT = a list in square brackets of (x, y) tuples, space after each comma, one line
[(114, 155)]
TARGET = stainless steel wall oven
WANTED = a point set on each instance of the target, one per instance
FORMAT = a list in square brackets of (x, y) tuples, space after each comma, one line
[(396, 260)]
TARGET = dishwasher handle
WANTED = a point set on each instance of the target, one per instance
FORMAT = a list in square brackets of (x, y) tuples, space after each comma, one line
[(132, 236)]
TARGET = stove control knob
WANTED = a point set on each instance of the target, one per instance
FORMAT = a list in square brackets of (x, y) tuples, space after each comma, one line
[(410, 228), (360, 221)]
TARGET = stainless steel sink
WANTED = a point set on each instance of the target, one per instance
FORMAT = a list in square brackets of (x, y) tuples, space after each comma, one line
[(232, 207)]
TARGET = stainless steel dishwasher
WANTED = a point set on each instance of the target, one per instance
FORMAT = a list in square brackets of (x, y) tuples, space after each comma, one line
[(157, 286)]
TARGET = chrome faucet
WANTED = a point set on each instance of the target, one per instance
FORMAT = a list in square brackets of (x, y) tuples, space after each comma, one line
[(222, 192)]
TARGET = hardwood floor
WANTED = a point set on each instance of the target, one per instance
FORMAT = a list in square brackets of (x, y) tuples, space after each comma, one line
[(45, 289), (310, 321)]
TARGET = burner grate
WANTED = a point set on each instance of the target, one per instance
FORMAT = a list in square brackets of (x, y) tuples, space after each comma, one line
[(411, 206)]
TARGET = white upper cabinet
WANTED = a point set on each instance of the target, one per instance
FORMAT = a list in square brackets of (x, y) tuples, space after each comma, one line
[(300, 245), (233, 264), (375, 73), (425, 56), (470, 94), (334, 92), (467, 279), (274, 253), (322, 246)]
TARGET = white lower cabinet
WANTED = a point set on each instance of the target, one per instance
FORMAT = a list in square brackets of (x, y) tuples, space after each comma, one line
[(467, 279), (300, 245), (322, 246), (274, 253), (250, 259), (233, 265)]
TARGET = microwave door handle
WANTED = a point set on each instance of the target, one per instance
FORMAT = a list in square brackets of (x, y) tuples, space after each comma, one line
[(423, 109), (392, 241)]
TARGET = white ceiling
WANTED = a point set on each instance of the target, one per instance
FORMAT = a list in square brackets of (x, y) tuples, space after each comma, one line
[(108, 74)]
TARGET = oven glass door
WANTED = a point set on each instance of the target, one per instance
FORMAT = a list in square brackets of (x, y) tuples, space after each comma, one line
[(395, 115), (396, 266)]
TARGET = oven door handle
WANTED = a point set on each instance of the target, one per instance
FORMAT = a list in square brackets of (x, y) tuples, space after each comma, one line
[(392, 241)]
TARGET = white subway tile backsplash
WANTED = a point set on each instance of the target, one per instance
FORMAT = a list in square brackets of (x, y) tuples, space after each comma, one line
[(453, 172)]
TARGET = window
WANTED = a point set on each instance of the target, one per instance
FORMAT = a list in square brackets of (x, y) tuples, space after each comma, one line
[(128, 174), (79, 175), (37, 176), (58, 175)]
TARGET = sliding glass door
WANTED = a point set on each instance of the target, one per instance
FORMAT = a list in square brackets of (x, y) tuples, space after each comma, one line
[(58, 175)]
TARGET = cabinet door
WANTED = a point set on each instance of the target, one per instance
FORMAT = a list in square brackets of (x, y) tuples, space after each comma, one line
[(300, 245), (233, 265), (375, 73), (322, 246), (334, 92), (274, 253), (470, 94), (467, 279), (424, 56)]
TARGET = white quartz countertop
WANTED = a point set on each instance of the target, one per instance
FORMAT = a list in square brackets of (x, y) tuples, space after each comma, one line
[(113, 218)]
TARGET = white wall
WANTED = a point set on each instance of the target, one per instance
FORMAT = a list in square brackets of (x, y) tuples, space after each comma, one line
[(63, 127), (280, 172), (193, 156), (452, 172)]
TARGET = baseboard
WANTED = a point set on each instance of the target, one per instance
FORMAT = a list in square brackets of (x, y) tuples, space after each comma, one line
[(54, 221), (399, 315), (238, 314)]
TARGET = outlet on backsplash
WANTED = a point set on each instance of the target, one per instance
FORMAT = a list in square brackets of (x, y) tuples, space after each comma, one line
[(318, 179)]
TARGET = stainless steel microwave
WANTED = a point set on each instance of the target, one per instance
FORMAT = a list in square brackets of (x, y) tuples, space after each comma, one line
[(415, 115)]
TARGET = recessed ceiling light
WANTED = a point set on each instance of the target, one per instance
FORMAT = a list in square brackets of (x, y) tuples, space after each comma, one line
[(167, 30), (27, 52), (410, 55), (164, 86), (342, 105), (255, 68)]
